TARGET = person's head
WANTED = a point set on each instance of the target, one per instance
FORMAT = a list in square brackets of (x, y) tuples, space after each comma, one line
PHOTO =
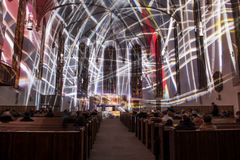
[(186, 118), (171, 114), (155, 114), (194, 112), (238, 114), (213, 104), (207, 119), (165, 112), (195, 115), (26, 114), (169, 123)]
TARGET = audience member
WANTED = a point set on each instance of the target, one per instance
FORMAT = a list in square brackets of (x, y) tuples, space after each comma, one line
[(156, 118), (27, 117), (207, 125), (14, 113), (186, 124), (142, 115), (215, 110), (31, 112), (166, 116), (94, 112), (169, 123), (171, 109), (49, 113), (80, 120), (6, 116), (197, 120), (238, 117)]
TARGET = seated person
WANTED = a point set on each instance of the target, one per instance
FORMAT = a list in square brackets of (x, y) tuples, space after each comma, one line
[(186, 124), (169, 123), (6, 116), (134, 113), (15, 113), (197, 120), (156, 118), (68, 117), (142, 115), (238, 117), (80, 120), (86, 115), (207, 125), (171, 109), (49, 113), (31, 112), (166, 116), (66, 113), (27, 117), (94, 112)]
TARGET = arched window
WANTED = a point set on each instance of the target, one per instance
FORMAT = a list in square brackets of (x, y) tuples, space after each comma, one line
[(60, 64), (158, 58), (83, 66), (18, 40), (136, 72), (42, 49), (109, 70), (202, 77)]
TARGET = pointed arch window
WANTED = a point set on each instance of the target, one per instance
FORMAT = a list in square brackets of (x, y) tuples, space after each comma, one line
[(109, 70), (83, 66), (136, 71)]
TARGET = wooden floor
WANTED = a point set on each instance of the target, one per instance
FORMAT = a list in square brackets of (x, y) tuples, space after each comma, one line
[(114, 142)]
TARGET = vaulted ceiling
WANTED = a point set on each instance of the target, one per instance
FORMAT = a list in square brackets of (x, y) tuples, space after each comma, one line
[(102, 20)]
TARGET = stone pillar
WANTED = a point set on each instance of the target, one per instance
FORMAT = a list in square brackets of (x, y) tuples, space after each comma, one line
[(177, 61), (40, 66), (59, 72), (83, 66), (202, 77), (18, 40)]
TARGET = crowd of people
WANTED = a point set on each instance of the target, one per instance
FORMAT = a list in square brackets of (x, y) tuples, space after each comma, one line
[(78, 118), (186, 119)]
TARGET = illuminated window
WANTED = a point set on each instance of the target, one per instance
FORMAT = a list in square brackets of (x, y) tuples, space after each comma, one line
[(109, 70), (136, 73)]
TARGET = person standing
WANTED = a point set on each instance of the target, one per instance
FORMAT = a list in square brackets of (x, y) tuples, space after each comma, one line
[(215, 110)]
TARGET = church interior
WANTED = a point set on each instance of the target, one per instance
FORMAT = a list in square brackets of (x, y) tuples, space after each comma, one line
[(119, 79)]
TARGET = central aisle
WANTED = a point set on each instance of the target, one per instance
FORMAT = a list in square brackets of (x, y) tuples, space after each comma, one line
[(114, 142)]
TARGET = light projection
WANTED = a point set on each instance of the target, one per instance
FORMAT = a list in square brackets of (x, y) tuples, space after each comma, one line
[(182, 43)]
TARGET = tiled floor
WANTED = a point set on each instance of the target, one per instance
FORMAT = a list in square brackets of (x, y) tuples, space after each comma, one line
[(114, 142)]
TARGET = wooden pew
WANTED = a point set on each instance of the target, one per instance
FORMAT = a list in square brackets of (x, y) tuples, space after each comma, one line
[(204, 145), (169, 144), (51, 127), (87, 148), (157, 139), (39, 145), (20, 109), (129, 121), (138, 128), (143, 130)]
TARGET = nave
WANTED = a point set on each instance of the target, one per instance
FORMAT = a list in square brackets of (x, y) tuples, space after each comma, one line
[(66, 65), (115, 142)]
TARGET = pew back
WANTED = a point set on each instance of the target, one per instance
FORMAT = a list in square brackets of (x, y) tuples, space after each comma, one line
[(20, 109), (204, 145), (39, 145)]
